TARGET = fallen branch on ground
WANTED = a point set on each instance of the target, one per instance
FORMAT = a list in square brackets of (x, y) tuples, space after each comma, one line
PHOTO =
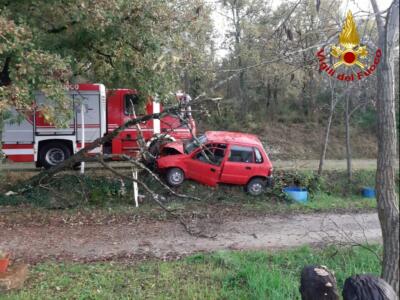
[(155, 197)]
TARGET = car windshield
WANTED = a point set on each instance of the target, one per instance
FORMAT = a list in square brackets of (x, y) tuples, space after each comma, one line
[(195, 143)]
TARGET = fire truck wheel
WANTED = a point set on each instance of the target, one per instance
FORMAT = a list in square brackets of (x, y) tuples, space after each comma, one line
[(175, 177), (53, 153), (255, 187)]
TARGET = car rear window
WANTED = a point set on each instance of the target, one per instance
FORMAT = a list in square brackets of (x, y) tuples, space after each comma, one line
[(241, 154), (259, 158)]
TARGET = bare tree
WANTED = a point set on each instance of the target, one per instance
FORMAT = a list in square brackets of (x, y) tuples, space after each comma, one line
[(388, 209)]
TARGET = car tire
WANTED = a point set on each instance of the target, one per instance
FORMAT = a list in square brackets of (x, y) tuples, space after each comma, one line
[(54, 153), (175, 177), (255, 187)]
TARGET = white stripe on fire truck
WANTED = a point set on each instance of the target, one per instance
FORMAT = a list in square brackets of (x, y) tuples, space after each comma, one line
[(137, 130), (17, 151), (176, 129), (96, 150)]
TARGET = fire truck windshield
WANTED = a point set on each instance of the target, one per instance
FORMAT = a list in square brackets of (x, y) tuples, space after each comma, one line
[(195, 143)]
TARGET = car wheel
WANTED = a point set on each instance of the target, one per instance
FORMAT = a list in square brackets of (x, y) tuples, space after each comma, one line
[(175, 176), (53, 154), (255, 187)]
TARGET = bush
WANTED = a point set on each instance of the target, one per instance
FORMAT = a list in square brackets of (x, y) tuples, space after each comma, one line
[(307, 179)]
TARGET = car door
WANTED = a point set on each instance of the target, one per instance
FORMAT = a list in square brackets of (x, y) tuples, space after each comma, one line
[(204, 165), (238, 168)]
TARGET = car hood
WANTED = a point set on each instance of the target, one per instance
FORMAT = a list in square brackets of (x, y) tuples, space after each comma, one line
[(178, 146)]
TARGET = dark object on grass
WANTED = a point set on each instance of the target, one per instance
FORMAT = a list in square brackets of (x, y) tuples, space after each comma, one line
[(367, 287), (318, 283)]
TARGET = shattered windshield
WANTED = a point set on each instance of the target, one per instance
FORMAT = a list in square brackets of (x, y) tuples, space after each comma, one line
[(195, 143)]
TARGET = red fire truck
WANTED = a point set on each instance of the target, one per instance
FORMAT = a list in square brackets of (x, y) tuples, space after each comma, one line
[(35, 140)]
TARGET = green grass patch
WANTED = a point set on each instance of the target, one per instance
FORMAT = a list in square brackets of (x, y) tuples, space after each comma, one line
[(220, 275), (325, 202)]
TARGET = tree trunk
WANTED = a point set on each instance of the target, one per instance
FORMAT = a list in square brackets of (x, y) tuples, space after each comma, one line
[(328, 129), (235, 9), (304, 98), (388, 209), (241, 89), (311, 99), (348, 146), (186, 82), (325, 145), (268, 102), (385, 177)]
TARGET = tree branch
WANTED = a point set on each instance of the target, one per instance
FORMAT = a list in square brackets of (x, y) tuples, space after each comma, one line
[(155, 198), (80, 155)]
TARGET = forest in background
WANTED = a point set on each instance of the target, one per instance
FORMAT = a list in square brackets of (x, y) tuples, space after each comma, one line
[(268, 77)]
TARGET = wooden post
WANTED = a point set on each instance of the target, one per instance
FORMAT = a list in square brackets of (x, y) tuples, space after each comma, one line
[(135, 187)]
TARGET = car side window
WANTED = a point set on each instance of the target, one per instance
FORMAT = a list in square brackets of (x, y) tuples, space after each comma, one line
[(241, 154), (212, 154), (259, 158)]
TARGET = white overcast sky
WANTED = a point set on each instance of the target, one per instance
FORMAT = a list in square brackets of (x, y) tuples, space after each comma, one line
[(221, 27)]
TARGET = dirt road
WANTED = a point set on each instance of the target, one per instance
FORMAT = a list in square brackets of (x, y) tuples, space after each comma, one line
[(361, 164), (168, 239)]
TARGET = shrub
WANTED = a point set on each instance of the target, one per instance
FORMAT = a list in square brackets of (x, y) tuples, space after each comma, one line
[(305, 179)]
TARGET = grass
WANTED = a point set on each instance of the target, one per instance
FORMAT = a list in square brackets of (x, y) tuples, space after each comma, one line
[(318, 202), (324, 202), (220, 275), (102, 195)]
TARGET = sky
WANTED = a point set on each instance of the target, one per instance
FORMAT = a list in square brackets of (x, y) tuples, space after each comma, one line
[(220, 23)]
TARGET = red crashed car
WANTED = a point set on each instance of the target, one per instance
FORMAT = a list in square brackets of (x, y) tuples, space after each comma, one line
[(218, 157)]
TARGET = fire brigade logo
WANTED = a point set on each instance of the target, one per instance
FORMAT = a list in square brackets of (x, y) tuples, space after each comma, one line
[(349, 53), (350, 41)]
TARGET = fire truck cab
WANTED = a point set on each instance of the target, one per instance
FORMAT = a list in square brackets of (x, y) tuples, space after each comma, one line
[(95, 113)]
